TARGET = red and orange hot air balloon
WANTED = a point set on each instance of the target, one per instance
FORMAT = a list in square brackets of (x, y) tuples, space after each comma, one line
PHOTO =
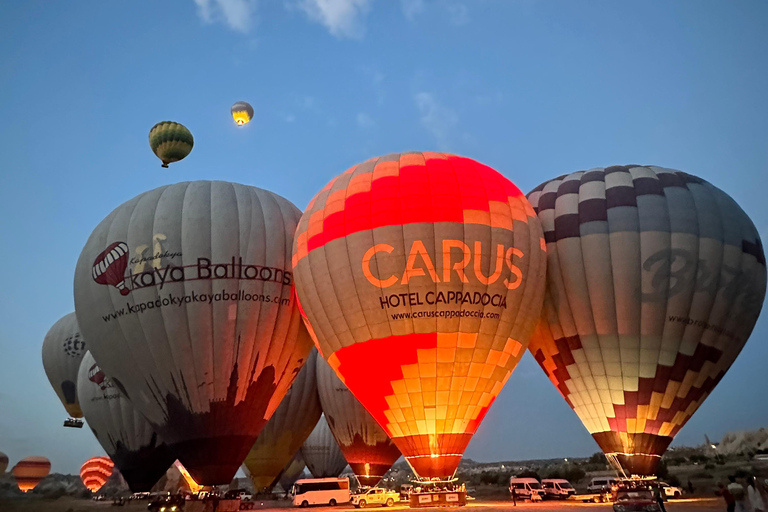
[(95, 472), (30, 471), (421, 276)]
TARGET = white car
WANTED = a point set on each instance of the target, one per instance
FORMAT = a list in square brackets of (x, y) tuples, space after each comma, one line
[(670, 491)]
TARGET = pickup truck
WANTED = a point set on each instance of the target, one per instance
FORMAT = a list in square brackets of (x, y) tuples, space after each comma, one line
[(375, 496)]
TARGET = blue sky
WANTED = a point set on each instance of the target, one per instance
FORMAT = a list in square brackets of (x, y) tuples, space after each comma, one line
[(534, 88)]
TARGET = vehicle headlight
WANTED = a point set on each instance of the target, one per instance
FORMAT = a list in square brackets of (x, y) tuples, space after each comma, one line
[(162, 509)]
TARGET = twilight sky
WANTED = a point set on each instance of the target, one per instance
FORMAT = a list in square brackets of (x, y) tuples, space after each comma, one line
[(532, 88)]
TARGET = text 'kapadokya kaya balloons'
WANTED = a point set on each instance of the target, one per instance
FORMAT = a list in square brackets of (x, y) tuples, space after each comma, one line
[(30, 471), (207, 339), (95, 472), (367, 448), (655, 281), (170, 141), (286, 430), (421, 276), (63, 349), (127, 437), (242, 113)]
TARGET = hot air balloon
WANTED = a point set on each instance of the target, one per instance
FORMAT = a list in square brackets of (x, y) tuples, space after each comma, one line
[(95, 472), (30, 471), (3, 463), (366, 447), (292, 472), (287, 430), (208, 340), (421, 276), (63, 349), (170, 141), (655, 281), (126, 436), (321, 453), (242, 113)]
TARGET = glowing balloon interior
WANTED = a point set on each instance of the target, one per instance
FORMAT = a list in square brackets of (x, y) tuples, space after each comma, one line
[(95, 472), (30, 471)]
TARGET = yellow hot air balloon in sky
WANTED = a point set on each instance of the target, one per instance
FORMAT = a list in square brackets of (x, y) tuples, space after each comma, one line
[(242, 113)]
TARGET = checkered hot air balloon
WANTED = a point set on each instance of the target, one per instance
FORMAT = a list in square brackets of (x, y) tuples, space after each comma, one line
[(655, 280), (421, 276), (170, 141), (109, 266), (30, 471), (95, 472)]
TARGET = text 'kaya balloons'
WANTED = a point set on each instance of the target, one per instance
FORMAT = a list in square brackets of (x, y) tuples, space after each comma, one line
[(95, 472), (367, 448), (421, 276), (127, 437), (30, 471), (208, 338), (655, 281), (63, 349)]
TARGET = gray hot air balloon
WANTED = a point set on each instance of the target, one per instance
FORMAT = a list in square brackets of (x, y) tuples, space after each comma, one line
[(321, 452), (63, 349), (365, 445), (3, 463), (655, 280), (126, 436), (292, 472), (186, 295), (286, 430)]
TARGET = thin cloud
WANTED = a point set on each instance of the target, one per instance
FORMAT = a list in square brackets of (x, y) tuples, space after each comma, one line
[(365, 121), (458, 14), (342, 18), (411, 8), (236, 14), (437, 119)]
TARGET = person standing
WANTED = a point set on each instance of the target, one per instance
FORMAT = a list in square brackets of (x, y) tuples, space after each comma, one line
[(730, 503), (754, 497), (658, 494), (514, 496), (737, 491), (690, 487)]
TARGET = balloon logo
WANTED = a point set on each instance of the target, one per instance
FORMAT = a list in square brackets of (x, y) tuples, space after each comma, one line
[(109, 267), (96, 375), (421, 276), (74, 346), (95, 472), (655, 280)]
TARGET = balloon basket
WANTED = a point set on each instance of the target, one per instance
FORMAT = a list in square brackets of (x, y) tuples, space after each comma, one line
[(438, 498), (73, 423)]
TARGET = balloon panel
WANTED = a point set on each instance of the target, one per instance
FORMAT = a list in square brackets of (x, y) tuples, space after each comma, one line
[(292, 472), (207, 340), (63, 349), (656, 279), (30, 471), (321, 453), (127, 437), (95, 472), (430, 269)]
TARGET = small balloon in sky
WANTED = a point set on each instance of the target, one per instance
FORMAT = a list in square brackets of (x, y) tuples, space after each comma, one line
[(170, 141), (242, 113)]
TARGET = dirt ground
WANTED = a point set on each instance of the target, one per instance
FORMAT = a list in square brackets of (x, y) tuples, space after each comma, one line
[(81, 505)]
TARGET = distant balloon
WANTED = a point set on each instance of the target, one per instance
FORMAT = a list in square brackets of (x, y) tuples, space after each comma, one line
[(242, 113), (95, 472), (126, 436), (208, 339), (421, 276), (366, 447), (3, 463), (63, 349), (292, 472), (655, 281), (170, 141), (30, 471), (287, 430), (321, 453)]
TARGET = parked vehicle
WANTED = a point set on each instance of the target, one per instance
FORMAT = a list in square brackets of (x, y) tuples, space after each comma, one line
[(557, 488), (602, 483), (670, 491), (375, 496), (320, 491), (526, 488), (635, 500)]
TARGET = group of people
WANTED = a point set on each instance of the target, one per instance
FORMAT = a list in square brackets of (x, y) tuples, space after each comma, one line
[(739, 499)]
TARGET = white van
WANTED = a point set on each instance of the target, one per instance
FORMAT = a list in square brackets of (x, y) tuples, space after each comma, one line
[(602, 483), (525, 488), (557, 488), (320, 491)]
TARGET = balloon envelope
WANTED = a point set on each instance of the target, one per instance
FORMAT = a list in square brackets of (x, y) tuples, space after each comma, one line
[(321, 453), (3, 463), (170, 141), (63, 349), (421, 276), (127, 437), (242, 113), (655, 281), (30, 471), (292, 472), (286, 430), (366, 447), (207, 339), (95, 472)]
